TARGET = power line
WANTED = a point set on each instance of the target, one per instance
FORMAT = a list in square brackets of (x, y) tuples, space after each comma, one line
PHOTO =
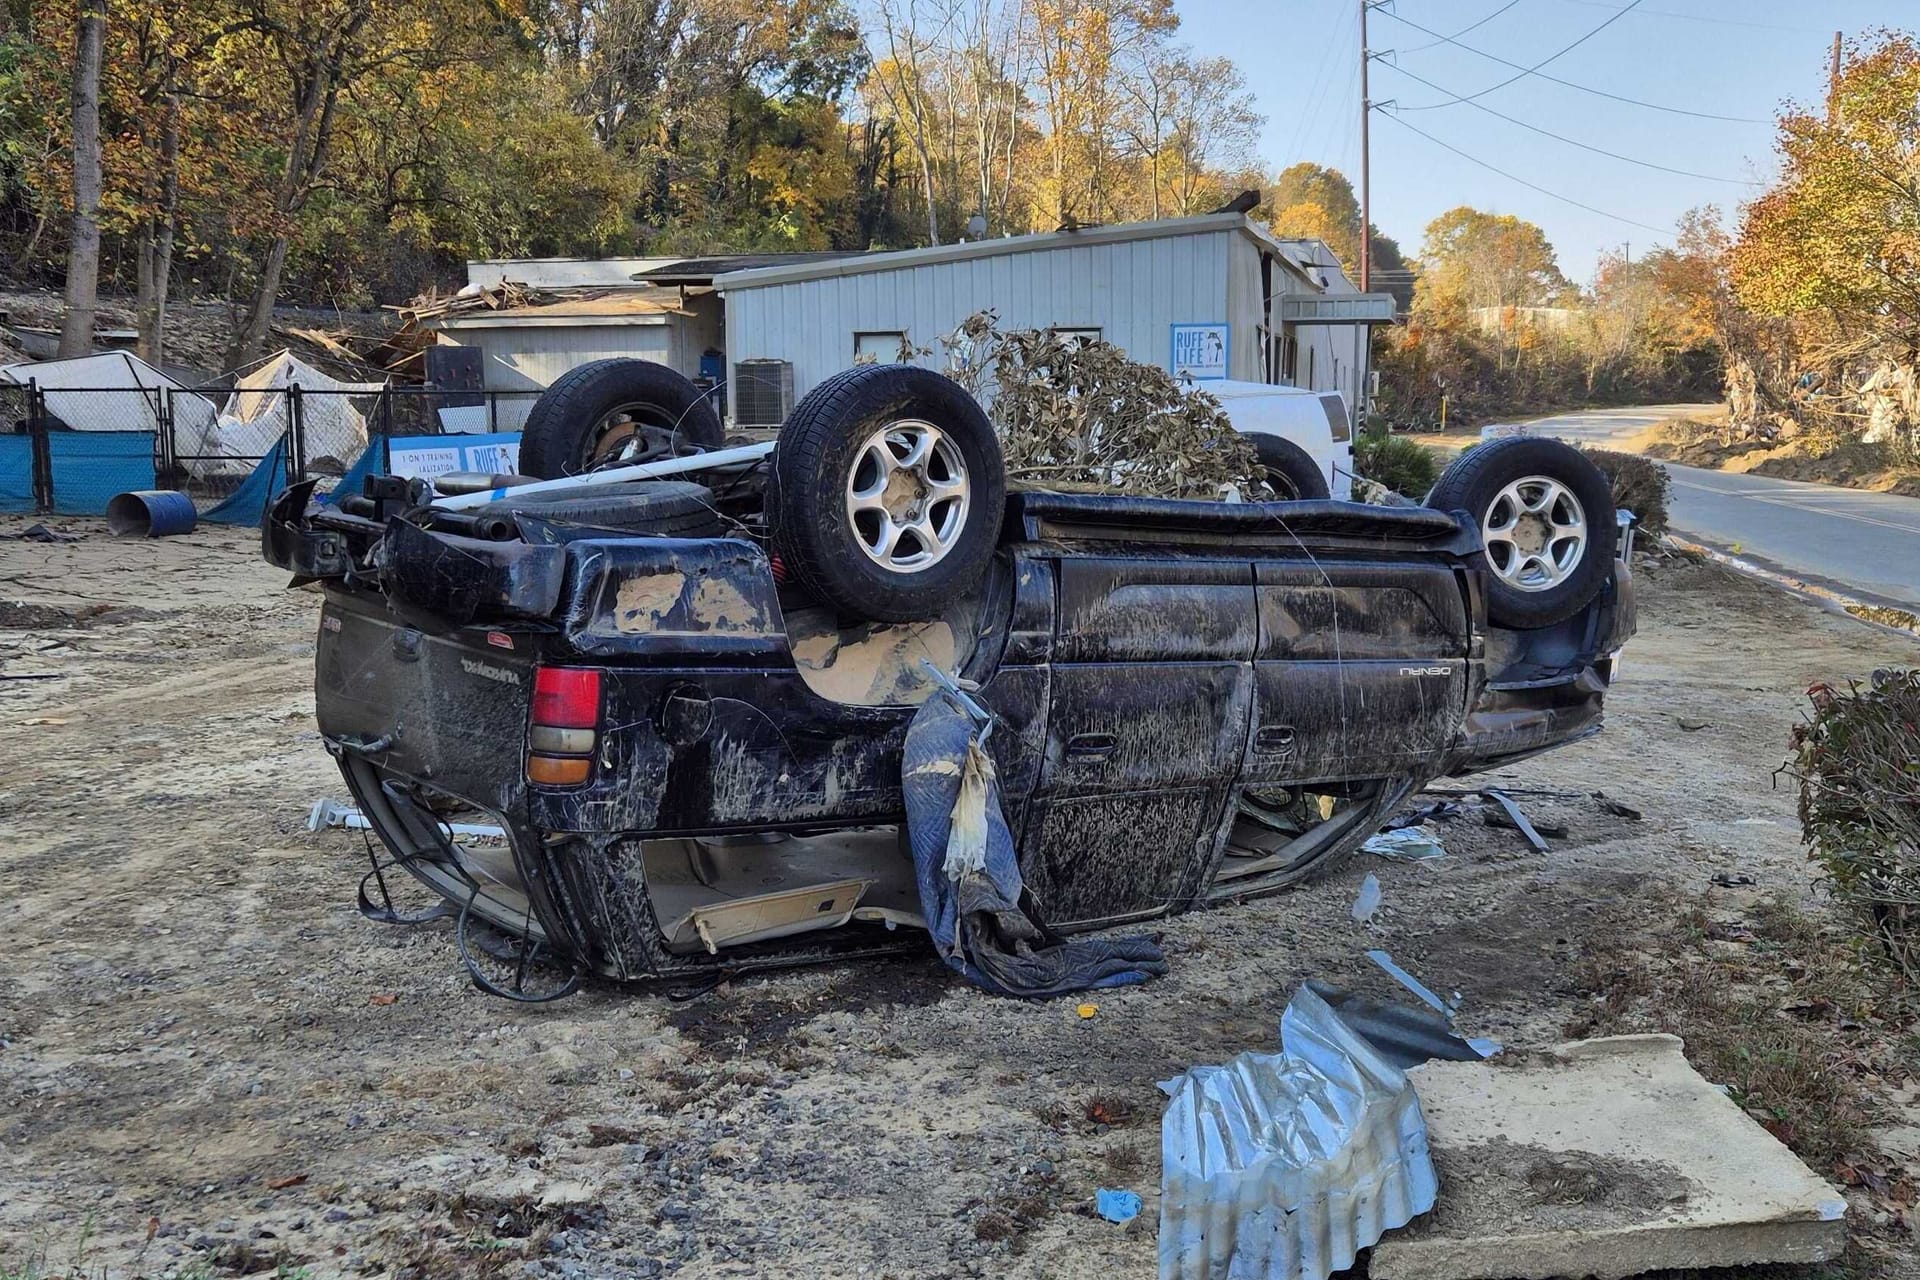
[(1696, 17), (1462, 31), (1314, 99), (1575, 142), (1678, 111), (1526, 71), (1523, 182)]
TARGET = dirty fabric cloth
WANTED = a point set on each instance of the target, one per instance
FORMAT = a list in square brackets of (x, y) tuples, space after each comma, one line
[(982, 920), (1283, 1166)]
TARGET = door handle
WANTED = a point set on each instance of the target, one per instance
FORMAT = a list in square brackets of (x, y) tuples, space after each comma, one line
[(1091, 746), (1274, 739)]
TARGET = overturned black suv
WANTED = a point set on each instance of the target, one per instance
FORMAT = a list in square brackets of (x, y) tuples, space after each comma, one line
[(682, 701)]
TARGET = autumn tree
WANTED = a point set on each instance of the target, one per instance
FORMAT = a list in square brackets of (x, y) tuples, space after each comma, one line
[(1471, 258), (1316, 202), (1838, 236)]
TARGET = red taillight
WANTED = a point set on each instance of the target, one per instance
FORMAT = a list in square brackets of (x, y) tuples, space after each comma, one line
[(561, 735), (566, 697)]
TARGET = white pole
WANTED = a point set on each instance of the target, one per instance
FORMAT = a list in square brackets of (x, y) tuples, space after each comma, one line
[(614, 475)]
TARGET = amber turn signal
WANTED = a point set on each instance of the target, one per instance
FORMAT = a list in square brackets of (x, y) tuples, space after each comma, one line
[(557, 771)]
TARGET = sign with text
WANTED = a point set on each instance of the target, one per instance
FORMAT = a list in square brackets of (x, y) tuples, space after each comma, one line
[(427, 456), (1200, 351)]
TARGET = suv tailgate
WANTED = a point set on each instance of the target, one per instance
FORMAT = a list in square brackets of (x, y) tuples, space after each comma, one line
[(449, 710)]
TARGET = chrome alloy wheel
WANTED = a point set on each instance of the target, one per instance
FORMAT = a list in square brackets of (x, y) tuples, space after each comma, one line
[(907, 495), (1535, 533)]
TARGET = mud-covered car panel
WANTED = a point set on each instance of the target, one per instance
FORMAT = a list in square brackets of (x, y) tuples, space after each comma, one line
[(1145, 662)]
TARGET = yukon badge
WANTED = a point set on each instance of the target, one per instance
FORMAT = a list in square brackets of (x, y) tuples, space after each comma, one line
[(487, 671)]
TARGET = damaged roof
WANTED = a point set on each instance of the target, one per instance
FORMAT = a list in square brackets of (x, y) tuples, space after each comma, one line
[(595, 305)]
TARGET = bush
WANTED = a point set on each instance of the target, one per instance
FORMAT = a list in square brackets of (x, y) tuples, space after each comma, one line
[(1401, 464), (1640, 485), (1857, 759)]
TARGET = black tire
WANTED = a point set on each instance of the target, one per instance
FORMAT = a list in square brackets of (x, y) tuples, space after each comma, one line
[(667, 508), (567, 431), (823, 547), (1475, 483), (1291, 474)]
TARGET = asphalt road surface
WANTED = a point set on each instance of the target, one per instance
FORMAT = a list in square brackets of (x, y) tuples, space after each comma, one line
[(1867, 544)]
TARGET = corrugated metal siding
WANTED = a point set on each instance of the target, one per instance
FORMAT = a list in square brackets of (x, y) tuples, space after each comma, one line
[(530, 359), (1133, 291)]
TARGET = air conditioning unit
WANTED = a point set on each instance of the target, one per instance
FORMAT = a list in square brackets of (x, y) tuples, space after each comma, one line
[(762, 392)]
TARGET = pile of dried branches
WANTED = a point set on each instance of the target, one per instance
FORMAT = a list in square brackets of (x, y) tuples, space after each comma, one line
[(1857, 759), (1077, 413)]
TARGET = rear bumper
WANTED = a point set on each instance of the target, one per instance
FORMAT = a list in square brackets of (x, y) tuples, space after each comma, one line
[(1544, 689)]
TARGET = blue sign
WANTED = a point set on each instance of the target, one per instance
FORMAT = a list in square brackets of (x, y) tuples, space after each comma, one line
[(1200, 352)]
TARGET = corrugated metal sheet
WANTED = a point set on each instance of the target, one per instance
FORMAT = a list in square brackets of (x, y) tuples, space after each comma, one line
[(1133, 291), (1284, 1166)]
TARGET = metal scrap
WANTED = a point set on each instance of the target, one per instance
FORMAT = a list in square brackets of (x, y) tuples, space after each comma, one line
[(328, 812), (1518, 818), (1411, 983), (1283, 1166)]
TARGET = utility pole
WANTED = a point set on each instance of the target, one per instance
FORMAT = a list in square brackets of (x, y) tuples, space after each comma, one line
[(1366, 177), (1833, 81)]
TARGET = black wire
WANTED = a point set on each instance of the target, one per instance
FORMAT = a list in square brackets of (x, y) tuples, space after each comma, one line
[(1527, 71), (528, 950), (1462, 31), (1574, 142), (1659, 231), (1654, 106)]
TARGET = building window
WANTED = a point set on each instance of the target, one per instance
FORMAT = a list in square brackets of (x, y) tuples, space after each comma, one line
[(1289, 359), (881, 347), (1075, 333)]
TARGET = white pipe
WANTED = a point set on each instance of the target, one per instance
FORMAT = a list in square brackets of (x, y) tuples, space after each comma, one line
[(614, 475)]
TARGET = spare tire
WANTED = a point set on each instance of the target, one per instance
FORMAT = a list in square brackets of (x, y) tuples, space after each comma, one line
[(886, 492), (664, 508), (1545, 516), (615, 413), (1290, 472)]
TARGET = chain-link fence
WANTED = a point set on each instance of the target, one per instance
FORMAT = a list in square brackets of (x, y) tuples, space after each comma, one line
[(69, 449)]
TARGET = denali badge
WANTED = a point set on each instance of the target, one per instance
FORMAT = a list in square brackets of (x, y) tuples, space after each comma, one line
[(1426, 671), (329, 623), (487, 671)]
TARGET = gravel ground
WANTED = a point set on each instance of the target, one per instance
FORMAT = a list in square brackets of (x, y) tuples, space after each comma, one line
[(211, 1065)]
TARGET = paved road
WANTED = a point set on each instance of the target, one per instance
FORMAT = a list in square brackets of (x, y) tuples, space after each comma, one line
[(1865, 543)]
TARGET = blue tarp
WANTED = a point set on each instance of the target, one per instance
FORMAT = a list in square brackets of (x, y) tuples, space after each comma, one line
[(372, 461), (16, 473), (89, 467), (983, 922), (439, 453), (248, 503)]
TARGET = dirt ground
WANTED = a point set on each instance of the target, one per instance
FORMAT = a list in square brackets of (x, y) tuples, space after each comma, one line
[(210, 1064)]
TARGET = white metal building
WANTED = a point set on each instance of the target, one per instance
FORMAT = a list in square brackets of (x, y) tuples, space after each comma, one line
[(1215, 296), (525, 348)]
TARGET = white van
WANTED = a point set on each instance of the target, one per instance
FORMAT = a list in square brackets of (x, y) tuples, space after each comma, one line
[(1305, 438)]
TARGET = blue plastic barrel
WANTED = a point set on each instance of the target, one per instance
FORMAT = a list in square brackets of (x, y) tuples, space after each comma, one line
[(149, 513)]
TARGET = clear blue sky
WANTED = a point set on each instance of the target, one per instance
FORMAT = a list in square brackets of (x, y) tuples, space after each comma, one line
[(1727, 57)]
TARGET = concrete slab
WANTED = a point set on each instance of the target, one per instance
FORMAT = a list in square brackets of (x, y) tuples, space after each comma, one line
[(1602, 1158)]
